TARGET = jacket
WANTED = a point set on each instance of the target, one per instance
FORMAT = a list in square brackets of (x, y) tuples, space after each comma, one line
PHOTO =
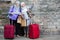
[(13, 13)]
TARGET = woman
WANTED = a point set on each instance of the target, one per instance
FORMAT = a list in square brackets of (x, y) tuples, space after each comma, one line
[(13, 15), (25, 17)]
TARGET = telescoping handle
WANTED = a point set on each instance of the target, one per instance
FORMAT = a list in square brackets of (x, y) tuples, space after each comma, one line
[(32, 21)]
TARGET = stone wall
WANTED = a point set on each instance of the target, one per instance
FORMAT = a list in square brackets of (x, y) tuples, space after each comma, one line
[(47, 11), (47, 14), (50, 13)]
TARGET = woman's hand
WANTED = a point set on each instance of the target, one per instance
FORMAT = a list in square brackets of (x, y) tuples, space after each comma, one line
[(31, 15), (21, 15), (10, 15)]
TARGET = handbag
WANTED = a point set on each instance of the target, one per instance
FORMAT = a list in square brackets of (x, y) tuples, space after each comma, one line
[(21, 21)]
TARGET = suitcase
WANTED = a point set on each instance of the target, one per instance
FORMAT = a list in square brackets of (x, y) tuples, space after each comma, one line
[(8, 31), (34, 31)]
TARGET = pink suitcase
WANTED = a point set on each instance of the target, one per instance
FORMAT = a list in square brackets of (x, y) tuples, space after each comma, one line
[(34, 31), (8, 31)]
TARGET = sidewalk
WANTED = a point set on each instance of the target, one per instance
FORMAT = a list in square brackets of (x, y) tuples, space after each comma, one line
[(42, 37), (51, 37)]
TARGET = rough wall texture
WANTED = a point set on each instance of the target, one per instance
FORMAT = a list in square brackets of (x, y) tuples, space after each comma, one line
[(47, 14), (50, 13)]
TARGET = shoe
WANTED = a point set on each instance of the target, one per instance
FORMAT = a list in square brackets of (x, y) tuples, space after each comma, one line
[(17, 36), (25, 35)]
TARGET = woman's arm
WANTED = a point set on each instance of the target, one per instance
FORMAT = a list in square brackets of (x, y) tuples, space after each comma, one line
[(11, 9)]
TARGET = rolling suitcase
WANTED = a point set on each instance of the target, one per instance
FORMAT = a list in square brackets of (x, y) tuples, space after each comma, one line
[(8, 31), (34, 31)]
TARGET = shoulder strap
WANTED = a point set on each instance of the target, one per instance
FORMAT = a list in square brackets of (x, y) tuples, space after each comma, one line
[(20, 9), (12, 9)]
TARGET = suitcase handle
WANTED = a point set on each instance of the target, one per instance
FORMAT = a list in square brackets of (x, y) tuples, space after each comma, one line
[(32, 21)]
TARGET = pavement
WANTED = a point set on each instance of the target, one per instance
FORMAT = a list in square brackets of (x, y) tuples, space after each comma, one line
[(42, 37)]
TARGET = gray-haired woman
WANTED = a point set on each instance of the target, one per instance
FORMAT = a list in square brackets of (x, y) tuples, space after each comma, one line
[(13, 13)]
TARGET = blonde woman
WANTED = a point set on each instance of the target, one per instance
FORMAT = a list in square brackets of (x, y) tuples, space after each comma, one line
[(25, 17)]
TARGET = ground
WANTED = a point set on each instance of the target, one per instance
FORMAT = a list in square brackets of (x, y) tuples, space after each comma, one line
[(42, 37)]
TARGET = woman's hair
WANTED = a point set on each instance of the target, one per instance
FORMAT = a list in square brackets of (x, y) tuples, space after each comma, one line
[(16, 2), (22, 3)]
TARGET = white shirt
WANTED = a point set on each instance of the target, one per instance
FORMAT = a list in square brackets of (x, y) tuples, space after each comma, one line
[(24, 12)]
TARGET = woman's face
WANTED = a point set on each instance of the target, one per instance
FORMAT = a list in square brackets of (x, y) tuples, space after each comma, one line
[(17, 4), (22, 5)]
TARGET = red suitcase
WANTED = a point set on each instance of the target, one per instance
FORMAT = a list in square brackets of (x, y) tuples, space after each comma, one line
[(34, 31), (9, 31)]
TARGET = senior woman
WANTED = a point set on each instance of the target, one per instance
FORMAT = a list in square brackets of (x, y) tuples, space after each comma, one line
[(13, 13), (26, 18)]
